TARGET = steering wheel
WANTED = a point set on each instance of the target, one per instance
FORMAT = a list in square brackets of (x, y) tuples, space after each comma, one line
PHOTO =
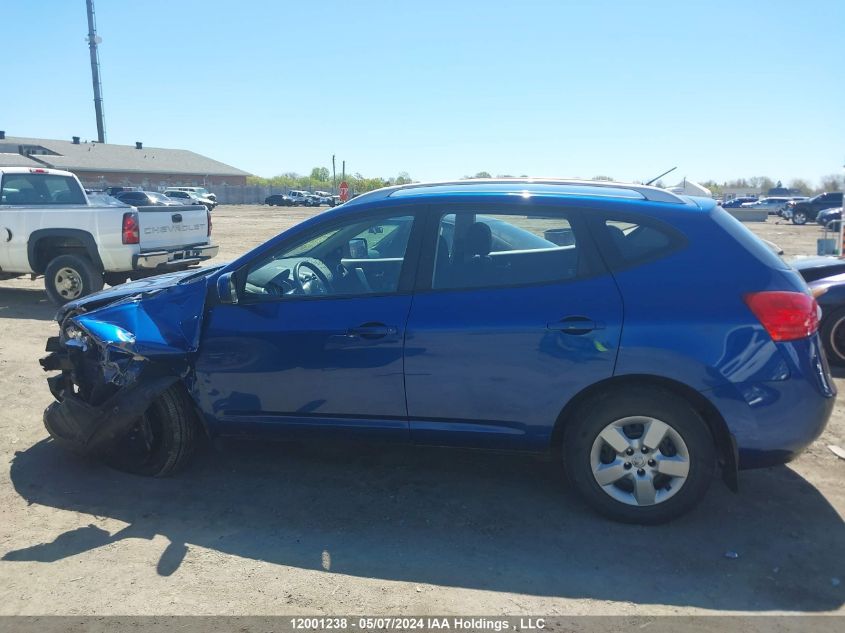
[(315, 284)]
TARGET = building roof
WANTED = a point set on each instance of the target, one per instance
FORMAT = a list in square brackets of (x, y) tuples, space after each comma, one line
[(107, 157), (16, 160)]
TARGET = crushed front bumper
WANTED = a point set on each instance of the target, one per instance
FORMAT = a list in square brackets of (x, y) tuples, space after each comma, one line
[(90, 428)]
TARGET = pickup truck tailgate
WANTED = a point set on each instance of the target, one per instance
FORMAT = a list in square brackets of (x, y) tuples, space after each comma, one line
[(172, 227)]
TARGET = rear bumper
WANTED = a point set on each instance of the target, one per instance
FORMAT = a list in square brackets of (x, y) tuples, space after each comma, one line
[(178, 258), (773, 421)]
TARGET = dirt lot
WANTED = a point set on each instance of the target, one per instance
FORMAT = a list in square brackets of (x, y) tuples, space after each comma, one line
[(293, 528)]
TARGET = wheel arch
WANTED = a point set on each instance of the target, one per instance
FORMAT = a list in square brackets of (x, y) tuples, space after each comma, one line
[(69, 239), (722, 437)]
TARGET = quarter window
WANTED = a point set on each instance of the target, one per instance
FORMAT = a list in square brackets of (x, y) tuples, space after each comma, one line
[(633, 241), (476, 250)]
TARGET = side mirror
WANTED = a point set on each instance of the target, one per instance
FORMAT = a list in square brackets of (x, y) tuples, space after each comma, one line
[(227, 290)]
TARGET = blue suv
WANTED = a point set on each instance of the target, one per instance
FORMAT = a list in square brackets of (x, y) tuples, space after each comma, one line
[(643, 337)]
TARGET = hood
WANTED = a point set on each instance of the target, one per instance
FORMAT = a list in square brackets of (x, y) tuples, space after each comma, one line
[(813, 268), (159, 316), (828, 281)]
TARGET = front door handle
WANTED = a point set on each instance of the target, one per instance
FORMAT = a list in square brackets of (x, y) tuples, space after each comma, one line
[(574, 325), (372, 331)]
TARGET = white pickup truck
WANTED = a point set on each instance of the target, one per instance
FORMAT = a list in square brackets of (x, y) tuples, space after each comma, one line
[(49, 227)]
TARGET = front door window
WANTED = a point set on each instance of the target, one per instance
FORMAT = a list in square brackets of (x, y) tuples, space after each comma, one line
[(358, 257)]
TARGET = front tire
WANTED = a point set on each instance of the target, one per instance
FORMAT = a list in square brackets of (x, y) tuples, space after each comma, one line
[(640, 455), (69, 277), (163, 440), (799, 217)]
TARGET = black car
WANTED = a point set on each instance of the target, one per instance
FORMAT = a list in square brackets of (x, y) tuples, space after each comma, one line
[(113, 191), (807, 210), (279, 200), (145, 199), (738, 202), (826, 278)]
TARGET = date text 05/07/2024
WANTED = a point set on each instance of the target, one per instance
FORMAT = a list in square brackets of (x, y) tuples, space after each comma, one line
[(417, 623)]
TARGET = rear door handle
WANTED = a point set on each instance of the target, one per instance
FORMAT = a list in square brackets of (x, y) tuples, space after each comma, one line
[(372, 331), (574, 325)]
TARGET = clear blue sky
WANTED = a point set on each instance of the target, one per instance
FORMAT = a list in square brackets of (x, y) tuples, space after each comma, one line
[(443, 89)]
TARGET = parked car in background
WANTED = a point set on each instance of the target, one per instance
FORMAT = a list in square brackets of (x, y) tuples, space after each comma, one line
[(738, 202), (325, 198), (774, 205), (279, 200), (826, 279), (146, 199), (112, 191), (303, 198), (785, 210), (50, 227), (829, 215), (805, 211), (201, 192), (484, 314), (186, 197)]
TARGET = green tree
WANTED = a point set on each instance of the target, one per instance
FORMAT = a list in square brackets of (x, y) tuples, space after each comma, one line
[(483, 174), (832, 182), (765, 183), (799, 184), (320, 174)]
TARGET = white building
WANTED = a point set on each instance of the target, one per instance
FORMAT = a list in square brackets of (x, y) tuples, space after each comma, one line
[(691, 188)]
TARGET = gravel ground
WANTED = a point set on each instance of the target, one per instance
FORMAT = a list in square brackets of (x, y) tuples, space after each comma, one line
[(299, 528)]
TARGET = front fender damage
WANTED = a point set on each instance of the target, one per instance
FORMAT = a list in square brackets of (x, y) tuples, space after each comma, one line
[(113, 362)]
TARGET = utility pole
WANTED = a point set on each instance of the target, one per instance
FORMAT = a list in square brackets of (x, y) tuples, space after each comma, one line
[(334, 177), (343, 173), (93, 40)]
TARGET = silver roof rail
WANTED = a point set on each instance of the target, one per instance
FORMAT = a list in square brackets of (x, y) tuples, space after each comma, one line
[(652, 194)]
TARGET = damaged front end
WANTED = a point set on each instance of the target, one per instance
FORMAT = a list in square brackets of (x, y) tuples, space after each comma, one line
[(114, 360)]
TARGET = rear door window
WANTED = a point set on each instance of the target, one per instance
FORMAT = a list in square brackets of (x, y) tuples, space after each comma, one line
[(501, 249)]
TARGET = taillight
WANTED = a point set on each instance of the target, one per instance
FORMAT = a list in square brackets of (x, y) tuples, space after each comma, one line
[(129, 232), (785, 315), (208, 215)]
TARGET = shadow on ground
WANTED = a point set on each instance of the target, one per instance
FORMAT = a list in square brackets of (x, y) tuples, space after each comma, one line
[(453, 518), (25, 303)]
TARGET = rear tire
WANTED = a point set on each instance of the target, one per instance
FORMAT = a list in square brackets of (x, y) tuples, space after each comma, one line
[(832, 333), (799, 217), (69, 277), (631, 481), (163, 440)]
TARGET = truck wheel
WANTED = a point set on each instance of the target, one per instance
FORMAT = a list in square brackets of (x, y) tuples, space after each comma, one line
[(639, 455), (163, 440), (69, 277), (799, 217)]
